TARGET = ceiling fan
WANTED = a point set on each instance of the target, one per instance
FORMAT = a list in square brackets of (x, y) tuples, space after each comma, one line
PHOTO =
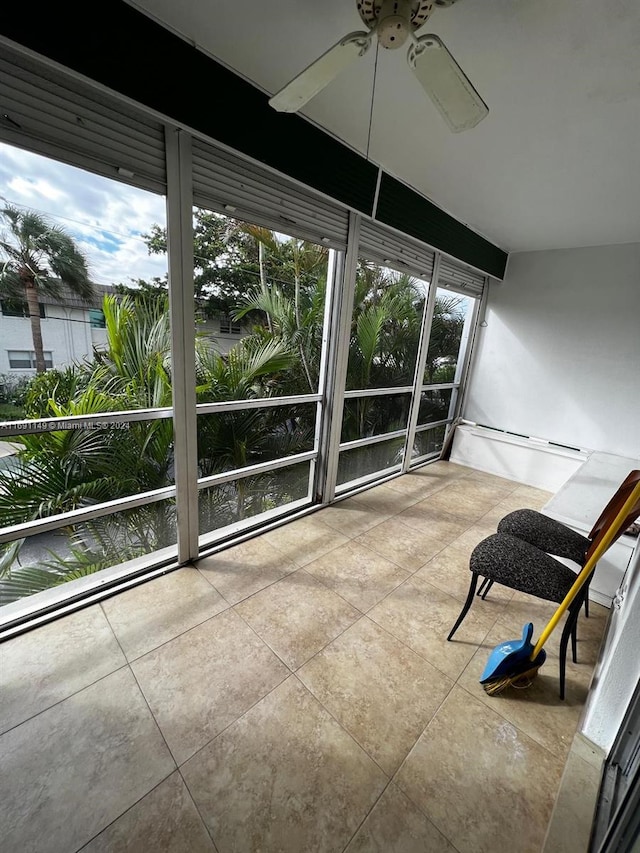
[(393, 22)]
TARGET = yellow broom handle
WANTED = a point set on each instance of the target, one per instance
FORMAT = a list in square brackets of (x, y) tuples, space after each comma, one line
[(587, 570)]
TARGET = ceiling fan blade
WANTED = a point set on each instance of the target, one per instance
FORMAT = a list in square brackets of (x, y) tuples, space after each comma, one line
[(321, 72), (446, 83)]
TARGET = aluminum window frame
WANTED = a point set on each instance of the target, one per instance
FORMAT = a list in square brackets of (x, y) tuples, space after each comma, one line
[(341, 275)]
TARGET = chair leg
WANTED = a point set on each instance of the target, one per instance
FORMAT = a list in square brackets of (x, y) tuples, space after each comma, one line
[(487, 589), (563, 656), (584, 593), (570, 630), (563, 669), (481, 588), (467, 604)]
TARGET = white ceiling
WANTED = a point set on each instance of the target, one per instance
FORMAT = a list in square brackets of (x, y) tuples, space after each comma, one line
[(555, 164)]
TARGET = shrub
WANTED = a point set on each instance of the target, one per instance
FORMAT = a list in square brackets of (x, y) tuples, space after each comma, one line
[(13, 389)]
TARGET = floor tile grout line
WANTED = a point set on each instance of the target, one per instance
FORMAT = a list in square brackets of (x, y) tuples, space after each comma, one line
[(153, 716), (197, 808), (259, 637), (323, 554), (203, 574), (378, 554), (143, 694), (422, 655), (350, 539), (176, 636), (408, 795), (315, 699), (64, 698), (352, 536), (80, 689), (328, 643), (128, 809), (298, 568), (411, 649), (364, 819), (330, 713), (115, 636), (362, 747), (286, 577), (406, 758), (342, 726), (237, 719), (371, 508), (409, 576), (295, 569)]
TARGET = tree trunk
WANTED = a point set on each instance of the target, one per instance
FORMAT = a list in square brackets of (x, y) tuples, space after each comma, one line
[(303, 355), (36, 329), (263, 280)]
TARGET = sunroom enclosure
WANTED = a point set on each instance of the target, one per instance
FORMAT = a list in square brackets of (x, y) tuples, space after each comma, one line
[(370, 371)]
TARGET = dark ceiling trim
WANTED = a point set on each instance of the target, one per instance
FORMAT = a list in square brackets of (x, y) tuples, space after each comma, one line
[(407, 211), (123, 49)]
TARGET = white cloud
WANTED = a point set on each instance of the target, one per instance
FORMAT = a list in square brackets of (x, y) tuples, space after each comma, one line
[(106, 218), (34, 189)]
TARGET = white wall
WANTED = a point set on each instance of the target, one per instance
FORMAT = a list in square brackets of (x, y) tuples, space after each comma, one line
[(66, 333), (616, 676), (560, 356)]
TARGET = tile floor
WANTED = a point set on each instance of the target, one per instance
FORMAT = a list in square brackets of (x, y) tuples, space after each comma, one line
[(296, 694)]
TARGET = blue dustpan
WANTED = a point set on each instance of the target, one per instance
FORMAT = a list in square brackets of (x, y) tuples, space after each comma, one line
[(513, 656)]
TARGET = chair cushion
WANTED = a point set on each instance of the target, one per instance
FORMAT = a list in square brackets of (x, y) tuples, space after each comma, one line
[(546, 533), (519, 565)]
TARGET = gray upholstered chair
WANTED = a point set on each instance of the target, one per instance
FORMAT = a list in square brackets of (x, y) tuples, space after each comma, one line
[(505, 559), (549, 535), (556, 538), (516, 561)]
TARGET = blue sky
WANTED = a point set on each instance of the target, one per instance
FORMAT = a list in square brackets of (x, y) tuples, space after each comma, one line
[(106, 218)]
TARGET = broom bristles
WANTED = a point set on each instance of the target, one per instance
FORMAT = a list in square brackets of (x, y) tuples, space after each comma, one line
[(520, 681)]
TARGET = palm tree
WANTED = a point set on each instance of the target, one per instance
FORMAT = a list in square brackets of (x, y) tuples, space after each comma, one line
[(293, 310), (67, 469), (230, 440), (39, 258), (446, 333)]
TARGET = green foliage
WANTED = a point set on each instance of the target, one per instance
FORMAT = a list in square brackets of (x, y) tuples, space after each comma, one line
[(38, 258), (9, 412), (157, 288), (39, 253), (59, 385), (225, 262), (279, 286), (13, 389)]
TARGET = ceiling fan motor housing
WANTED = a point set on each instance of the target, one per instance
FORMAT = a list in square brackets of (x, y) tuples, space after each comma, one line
[(394, 23), (393, 20)]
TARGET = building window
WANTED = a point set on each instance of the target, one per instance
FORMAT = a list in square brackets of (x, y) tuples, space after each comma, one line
[(26, 360), (16, 308), (229, 326), (96, 318)]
